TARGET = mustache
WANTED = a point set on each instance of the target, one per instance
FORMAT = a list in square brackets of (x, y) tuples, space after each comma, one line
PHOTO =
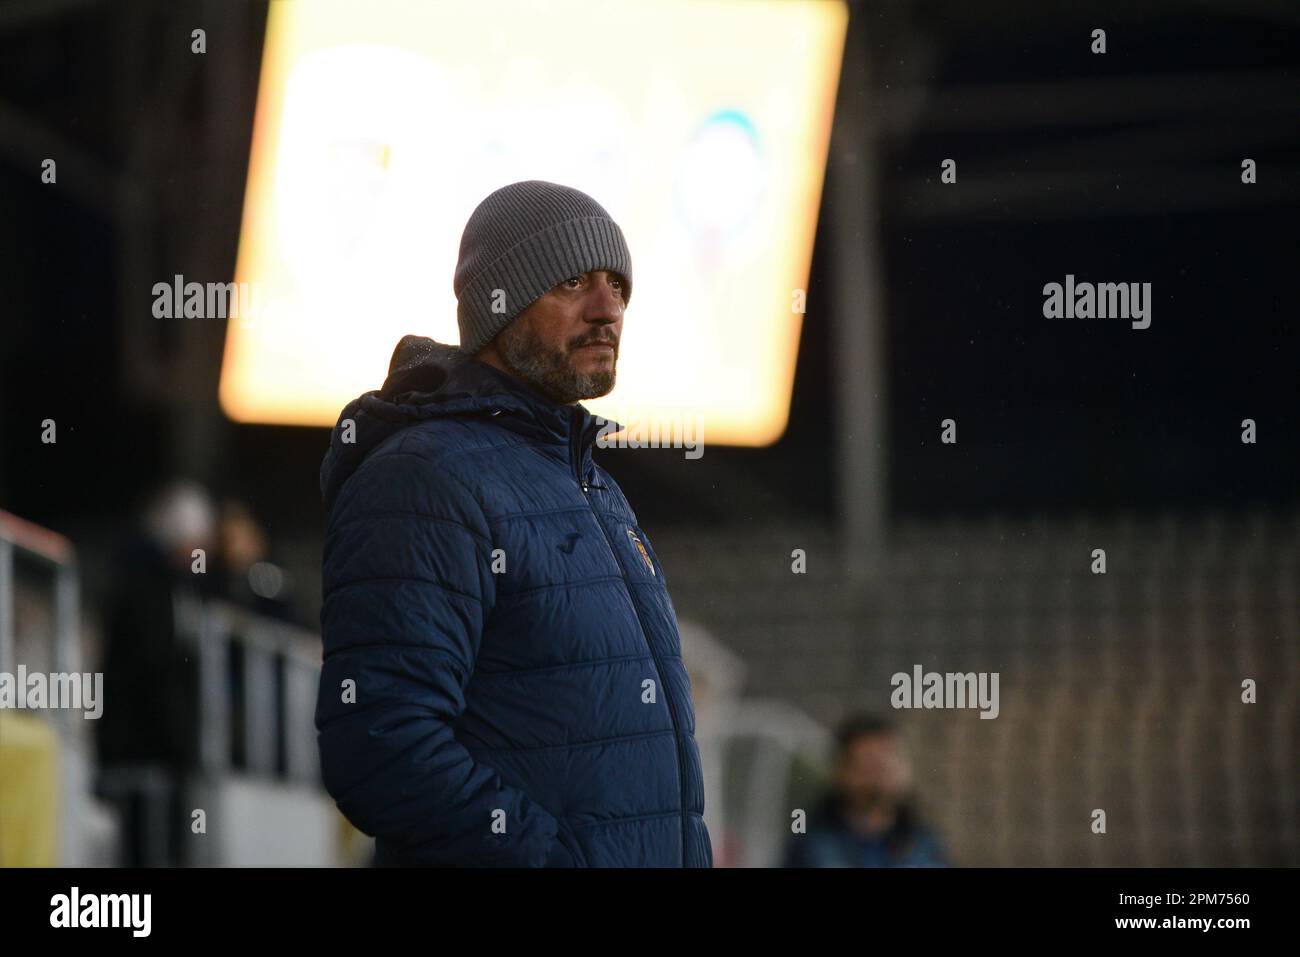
[(596, 341)]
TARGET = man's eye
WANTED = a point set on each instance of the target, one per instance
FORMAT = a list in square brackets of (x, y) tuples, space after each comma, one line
[(615, 280)]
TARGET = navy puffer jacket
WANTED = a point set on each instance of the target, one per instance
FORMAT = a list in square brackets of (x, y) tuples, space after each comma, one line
[(502, 681)]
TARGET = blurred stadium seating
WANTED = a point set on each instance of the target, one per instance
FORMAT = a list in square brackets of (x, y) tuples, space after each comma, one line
[(1119, 691), (1116, 693)]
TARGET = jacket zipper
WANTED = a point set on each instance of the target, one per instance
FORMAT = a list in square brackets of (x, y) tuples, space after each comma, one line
[(575, 451)]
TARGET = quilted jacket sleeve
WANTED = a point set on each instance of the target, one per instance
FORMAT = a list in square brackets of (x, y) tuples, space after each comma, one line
[(407, 590)]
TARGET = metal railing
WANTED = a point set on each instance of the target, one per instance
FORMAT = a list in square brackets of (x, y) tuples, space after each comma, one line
[(759, 799), (258, 679), (254, 714), (745, 800), (21, 540)]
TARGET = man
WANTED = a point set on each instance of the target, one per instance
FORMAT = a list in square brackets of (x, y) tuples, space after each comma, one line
[(502, 681), (868, 819), (148, 737)]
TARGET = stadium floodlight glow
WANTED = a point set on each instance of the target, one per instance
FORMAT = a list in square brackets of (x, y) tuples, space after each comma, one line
[(701, 126)]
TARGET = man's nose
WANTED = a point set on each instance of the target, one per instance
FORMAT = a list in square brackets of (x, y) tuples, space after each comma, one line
[(604, 302)]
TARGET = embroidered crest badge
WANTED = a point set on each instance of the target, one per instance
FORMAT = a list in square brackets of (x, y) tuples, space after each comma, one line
[(645, 555)]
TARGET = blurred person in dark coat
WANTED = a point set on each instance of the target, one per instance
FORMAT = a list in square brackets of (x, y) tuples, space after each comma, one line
[(869, 817), (242, 571), (149, 729)]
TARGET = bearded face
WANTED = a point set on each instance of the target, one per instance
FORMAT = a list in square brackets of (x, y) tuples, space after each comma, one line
[(565, 344), (566, 370)]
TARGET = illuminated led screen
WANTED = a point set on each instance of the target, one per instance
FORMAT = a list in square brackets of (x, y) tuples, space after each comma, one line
[(702, 127)]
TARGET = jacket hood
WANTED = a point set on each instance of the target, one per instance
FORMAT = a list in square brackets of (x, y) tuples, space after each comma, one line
[(428, 379)]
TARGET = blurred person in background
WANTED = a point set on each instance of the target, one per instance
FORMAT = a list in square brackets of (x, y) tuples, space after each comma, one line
[(869, 817), (503, 682), (241, 571), (148, 734)]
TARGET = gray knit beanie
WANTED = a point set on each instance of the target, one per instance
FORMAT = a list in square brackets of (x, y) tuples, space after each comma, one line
[(524, 239)]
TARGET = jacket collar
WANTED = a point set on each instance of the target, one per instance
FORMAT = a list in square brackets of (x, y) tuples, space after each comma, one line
[(428, 372), (428, 379)]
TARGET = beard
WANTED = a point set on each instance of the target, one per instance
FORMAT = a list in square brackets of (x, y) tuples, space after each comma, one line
[(548, 369)]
